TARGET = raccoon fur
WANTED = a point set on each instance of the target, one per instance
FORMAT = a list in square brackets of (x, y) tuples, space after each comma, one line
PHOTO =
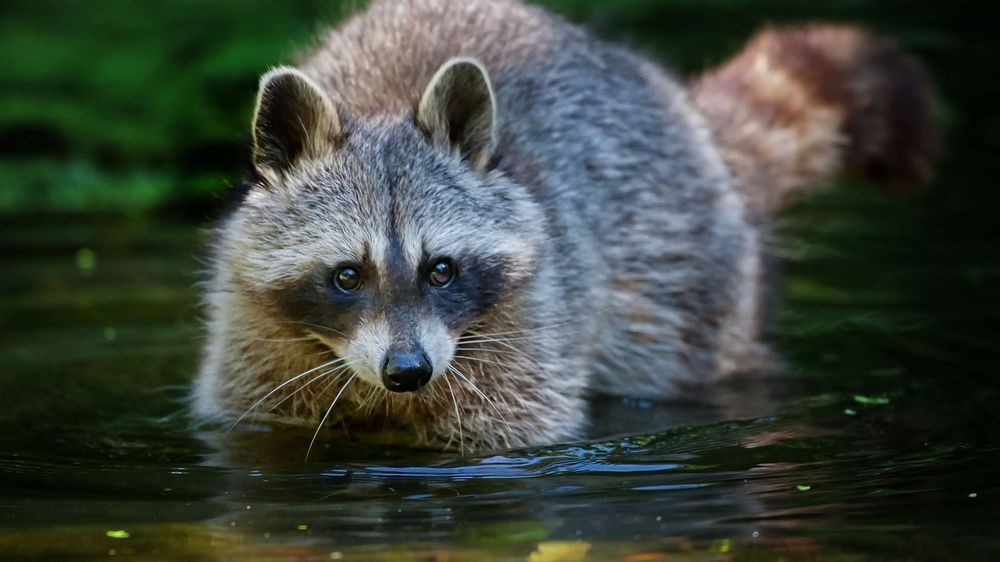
[(465, 216)]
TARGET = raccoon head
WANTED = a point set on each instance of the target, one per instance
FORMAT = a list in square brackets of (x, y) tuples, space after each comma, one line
[(385, 237)]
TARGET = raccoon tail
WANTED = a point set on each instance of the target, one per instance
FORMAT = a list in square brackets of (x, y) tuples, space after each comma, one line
[(801, 104)]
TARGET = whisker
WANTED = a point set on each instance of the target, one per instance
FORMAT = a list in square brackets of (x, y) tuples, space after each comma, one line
[(439, 398), (513, 351), (377, 393), (480, 393), (308, 338), (364, 402), (279, 387), (320, 327), (565, 320), (500, 396), (495, 340), (322, 422), (458, 417), (333, 381), (338, 369), (503, 342), (480, 360), (489, 350), (525, 331)]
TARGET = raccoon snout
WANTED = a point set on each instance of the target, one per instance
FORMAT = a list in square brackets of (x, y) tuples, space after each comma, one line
[(406, 371)]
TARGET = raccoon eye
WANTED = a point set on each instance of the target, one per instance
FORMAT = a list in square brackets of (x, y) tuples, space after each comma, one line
[(346, 278), (442, 273)]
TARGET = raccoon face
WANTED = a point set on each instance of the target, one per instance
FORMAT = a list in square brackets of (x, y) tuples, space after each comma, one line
[(385, 238)]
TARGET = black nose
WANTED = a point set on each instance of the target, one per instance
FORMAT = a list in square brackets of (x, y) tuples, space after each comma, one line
[(406, 372)]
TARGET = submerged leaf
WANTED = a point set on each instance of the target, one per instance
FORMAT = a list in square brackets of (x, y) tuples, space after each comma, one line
[(560, 551), (871, 400)]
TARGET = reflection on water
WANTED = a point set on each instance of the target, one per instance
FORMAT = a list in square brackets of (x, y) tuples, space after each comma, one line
[(877, 443)]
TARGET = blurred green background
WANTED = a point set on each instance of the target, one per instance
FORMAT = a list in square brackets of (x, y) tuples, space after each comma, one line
[(131, 106)]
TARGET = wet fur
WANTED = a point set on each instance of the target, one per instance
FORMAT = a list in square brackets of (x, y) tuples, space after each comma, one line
[(620, 213)]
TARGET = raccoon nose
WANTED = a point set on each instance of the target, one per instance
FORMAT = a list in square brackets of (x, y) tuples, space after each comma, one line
[(406, 372)]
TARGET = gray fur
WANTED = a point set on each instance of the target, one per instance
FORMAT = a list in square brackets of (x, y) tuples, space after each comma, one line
[(620, 253)]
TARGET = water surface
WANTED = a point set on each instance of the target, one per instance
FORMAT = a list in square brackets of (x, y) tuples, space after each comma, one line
[(877, 442)]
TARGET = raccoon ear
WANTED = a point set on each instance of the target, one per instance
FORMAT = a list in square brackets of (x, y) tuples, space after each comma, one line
[(458, 109), (293, 118)]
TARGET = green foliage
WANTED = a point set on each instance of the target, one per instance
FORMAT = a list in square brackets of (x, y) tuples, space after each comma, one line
[(120, 104), (135, 105)]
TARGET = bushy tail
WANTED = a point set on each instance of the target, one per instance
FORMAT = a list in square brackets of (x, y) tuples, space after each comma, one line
[(801, 104)]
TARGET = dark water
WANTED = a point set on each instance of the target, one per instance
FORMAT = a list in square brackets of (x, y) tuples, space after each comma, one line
[(878, 441)]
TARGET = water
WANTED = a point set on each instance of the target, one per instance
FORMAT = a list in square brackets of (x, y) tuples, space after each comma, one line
[(878, 441)]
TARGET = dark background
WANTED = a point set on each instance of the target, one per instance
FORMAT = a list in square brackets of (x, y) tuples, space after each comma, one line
[(138, 106)]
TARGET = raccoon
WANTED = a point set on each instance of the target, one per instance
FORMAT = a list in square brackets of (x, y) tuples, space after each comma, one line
[(464, 217)]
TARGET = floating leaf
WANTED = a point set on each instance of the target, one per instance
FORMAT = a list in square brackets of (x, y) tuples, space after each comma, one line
[(646, 557), (86, 259), (117, 534), (871, 400), (560, 551), (722, 546)]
